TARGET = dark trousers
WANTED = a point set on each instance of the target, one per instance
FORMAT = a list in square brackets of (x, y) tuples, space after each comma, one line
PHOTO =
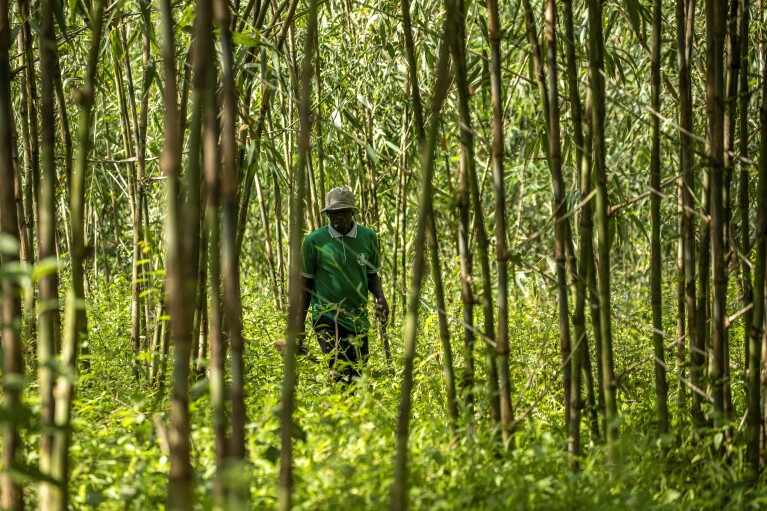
[(345, 350)]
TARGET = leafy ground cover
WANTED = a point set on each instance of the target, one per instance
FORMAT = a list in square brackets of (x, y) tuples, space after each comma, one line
[(345, 442)]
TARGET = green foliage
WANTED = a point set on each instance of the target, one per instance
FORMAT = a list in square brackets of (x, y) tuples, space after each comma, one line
[(344, 445)]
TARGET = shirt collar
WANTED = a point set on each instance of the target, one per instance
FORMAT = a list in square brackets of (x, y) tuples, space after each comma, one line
[(351, 234)]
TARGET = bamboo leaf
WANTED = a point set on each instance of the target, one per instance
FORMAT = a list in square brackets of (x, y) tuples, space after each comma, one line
[(58, 11), (637, 15), (362, 99), (249, 40)]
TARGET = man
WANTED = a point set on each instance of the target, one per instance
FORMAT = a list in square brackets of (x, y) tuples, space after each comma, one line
[(339, 266)]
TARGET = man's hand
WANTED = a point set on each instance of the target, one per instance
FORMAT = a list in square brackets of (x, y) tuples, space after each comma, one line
[(382, 310)]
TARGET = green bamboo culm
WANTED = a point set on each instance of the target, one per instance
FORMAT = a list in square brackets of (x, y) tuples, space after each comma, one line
[(75, 324), (49, 320), (661, 385), (295, 291), (753, 382), (399, 489), (182, 238), (11, 492), (597, 85)]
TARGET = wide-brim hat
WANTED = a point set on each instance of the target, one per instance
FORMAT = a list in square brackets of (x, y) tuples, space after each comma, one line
[(339, 198)]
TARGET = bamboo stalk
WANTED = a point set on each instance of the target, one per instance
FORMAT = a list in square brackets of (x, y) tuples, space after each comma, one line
[(48, 320), (11, 496), (661, 385), (75, 328), (399, 489), (182, 235), (596, 83), (295, 289)]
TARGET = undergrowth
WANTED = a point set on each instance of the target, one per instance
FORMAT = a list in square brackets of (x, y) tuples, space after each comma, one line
[(344, 446)]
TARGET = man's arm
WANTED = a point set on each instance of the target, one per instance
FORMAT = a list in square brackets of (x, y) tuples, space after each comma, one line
[(382, 307)]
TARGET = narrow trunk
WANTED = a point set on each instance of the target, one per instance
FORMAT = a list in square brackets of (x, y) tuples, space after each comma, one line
[(744, 97), (75, 327), (458, 51), (182, 235), (49, 308), (730, 117), (685, 12), (585, 235), (715, 34), (399, 488), (494, 36), (561, 220), (11, 496), (436, 269), (550, 108), (661, 385), (295, 291), (754, 374), (230, 255), (596, 82)]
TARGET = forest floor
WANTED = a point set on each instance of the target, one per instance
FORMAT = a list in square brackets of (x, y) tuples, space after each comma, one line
[(345, 445)]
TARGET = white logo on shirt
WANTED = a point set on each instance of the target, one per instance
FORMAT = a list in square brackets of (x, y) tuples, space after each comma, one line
[(362, 259)]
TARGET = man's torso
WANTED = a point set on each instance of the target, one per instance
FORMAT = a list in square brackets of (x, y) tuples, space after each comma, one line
[(339, 265)]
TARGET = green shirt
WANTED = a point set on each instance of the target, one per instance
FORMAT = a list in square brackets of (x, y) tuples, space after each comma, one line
[(340, 265)]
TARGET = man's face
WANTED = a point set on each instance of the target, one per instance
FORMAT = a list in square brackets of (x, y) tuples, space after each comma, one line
[(341, 219)]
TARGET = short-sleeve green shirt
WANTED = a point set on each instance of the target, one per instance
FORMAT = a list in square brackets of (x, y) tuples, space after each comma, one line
[(340, 265)]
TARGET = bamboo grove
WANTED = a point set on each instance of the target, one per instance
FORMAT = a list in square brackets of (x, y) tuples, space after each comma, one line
[(565, 149)]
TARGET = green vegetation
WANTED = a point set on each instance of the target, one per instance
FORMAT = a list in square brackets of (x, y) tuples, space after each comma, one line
[(345, 446), (571, 203)]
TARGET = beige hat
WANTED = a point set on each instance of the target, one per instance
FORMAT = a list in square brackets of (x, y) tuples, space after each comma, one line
[(339, 198)]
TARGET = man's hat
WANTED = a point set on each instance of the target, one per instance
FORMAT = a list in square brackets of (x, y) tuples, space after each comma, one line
[(339, 198)]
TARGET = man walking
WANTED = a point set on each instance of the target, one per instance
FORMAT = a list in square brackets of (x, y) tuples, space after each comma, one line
[(339, 266)]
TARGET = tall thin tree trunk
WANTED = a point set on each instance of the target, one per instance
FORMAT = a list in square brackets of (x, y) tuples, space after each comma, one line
[(494, 36), (295, 290), (399, 488), (458, 51), (756, 332), (119, 59), (730, 119), (31, 182), (550, 108), (586, 259), (230, 254), (32, 177), (75, 327), (11, 496), (49, 307), (661, 385), (182, 235), (744, 97), (217, 323), (561, 220), (685, 12), (596, 82), (436, 270), (715, 33)]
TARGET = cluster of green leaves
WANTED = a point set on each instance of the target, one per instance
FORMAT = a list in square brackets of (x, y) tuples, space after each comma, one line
[(344, 445)]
